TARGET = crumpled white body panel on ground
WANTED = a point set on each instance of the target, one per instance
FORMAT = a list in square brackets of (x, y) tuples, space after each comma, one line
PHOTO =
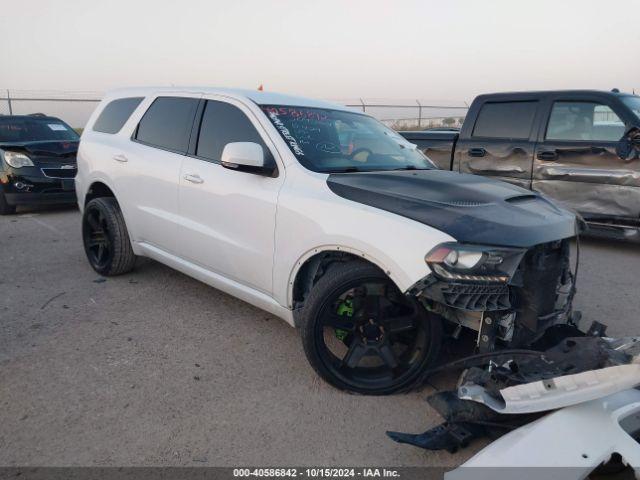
[(566, 444), (558, 392)]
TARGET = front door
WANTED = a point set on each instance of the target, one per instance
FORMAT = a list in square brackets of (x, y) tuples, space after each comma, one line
[(576, 161), (228, 217)]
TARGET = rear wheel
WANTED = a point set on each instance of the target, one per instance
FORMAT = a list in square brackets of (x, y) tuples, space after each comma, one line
[(5, 208), (105, 237), (361, 334)]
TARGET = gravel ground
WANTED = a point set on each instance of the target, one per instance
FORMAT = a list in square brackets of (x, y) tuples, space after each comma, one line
[(154, 368)]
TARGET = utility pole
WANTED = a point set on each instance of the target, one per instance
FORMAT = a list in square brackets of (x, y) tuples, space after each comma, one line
[(9, 102)]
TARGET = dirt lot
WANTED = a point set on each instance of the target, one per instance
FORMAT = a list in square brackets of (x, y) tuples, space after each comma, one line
[(154, 368)]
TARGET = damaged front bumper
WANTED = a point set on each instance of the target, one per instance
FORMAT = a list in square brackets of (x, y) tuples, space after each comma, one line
[(503, 390), (513, 301)]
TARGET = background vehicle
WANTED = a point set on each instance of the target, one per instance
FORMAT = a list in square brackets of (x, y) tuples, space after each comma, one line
[(326, 218), (578, 147), (37, 161)]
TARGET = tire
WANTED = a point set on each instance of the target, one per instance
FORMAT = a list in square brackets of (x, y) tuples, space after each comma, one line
[(105, 237), (5, 208), (346, 373)]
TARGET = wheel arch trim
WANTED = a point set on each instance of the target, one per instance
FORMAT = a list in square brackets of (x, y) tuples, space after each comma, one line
[(309, 254)]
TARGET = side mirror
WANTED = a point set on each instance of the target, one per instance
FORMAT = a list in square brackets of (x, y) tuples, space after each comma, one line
[(245, 157), (629, 146)]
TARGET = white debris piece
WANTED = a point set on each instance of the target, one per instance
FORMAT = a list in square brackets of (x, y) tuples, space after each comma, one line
[(567, 444), (558, 392)]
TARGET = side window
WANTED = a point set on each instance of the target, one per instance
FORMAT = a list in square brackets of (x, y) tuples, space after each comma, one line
[(167, 123), (505, 120), (224, 123), (116, 114), (588, 121)]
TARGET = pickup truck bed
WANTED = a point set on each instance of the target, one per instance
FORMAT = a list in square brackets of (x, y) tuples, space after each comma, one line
[(438, 145)]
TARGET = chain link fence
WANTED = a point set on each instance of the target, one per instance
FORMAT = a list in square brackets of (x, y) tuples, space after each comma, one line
[(414, 114), (75, 107)]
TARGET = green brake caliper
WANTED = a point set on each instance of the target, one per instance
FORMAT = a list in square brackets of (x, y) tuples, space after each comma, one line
[(345, 309)]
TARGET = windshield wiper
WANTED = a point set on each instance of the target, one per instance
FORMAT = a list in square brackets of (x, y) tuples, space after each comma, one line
[(345, 170), (410, 167)]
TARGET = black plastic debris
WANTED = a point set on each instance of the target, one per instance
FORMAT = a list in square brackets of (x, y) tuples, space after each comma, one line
[(562, 350)]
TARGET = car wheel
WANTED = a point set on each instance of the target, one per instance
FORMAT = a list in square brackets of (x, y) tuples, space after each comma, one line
[(5, 208), (105, 237), (360, 333)]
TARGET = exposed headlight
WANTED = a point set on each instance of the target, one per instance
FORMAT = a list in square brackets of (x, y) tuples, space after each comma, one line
[(475, 263), (17, 159)]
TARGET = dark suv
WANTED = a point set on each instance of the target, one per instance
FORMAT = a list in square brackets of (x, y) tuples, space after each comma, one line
[(37, 161)]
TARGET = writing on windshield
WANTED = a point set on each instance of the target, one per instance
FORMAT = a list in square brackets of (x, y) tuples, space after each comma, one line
[(327, 140)]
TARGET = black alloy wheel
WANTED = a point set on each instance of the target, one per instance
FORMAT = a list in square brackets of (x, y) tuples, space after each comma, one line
[(105, 237), (365, 335)]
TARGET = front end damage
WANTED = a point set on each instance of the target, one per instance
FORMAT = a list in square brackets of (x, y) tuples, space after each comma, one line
[(509, 296), (503, 390)]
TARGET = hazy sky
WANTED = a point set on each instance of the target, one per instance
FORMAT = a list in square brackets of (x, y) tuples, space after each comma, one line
[(437, 50)]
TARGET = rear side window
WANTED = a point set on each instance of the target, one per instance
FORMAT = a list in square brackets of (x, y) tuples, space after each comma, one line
[(505, 120), (167, 123), (115, 114), (224, 123)]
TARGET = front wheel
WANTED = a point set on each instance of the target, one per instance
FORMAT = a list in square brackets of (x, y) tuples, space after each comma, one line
[(105, 237), (360, 333)]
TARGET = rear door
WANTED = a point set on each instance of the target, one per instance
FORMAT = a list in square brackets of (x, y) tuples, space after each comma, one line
[(228, 217), (576, 161), (501, 141), (149, 169)]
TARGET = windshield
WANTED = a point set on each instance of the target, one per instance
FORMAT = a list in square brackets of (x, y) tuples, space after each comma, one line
[(31, 129), (337, 141), (634, 104)]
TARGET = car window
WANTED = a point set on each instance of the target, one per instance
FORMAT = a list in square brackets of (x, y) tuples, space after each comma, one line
[(505, 120), (115, 114), (224, 123), (167, 123), (36, 128), (331, 141), (633, 103), (584, 121)]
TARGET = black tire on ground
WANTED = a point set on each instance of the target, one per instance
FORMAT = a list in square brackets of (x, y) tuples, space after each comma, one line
[(338, 278), (5, 208), (105, 237)]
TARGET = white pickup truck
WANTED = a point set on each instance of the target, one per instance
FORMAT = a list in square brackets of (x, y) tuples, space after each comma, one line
[(326, 218)]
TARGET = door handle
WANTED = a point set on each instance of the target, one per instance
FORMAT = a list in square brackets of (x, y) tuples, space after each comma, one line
[(193, 178), (120, 158), (477, 152), (547, 155)]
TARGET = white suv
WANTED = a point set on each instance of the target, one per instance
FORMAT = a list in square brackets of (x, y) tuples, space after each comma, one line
[(326, 218)]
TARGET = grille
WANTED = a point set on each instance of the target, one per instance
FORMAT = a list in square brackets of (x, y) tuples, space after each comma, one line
[(476, 297), (59, 172)]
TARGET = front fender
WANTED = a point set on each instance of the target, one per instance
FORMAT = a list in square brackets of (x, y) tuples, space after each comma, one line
[(307, 225)]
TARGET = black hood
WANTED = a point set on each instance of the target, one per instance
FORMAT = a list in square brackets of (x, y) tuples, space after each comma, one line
[(44, 148), (470, 208)]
